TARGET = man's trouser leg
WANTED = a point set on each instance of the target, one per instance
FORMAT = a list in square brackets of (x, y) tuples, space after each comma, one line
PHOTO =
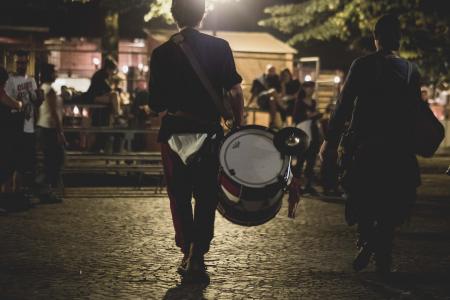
[(53, 156), (206, 199), (179, 188), (384, 245), (27, 162), (310, 158)]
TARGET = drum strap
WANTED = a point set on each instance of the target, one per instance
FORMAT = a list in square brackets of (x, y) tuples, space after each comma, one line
[(218, 101)]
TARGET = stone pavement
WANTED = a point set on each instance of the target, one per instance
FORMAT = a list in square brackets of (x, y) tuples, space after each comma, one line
[(111, 243)]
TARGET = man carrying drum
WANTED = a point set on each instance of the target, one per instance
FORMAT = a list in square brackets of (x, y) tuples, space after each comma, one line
[(191, 115)]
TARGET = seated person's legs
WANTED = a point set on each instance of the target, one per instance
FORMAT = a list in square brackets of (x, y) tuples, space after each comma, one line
[(111, 98)]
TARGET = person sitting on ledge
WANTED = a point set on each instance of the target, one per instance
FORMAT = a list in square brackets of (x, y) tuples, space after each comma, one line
[(101, 92)]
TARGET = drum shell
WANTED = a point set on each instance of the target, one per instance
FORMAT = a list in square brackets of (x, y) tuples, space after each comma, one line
[(240, 200), (248, 193), (233, 212), (255, 206)]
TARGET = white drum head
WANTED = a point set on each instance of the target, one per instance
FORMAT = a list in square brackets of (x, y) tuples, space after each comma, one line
[(249, 157)]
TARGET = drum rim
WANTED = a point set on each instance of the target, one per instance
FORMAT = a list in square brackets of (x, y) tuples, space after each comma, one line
[(222, 208), (234, 130), (246, 184)]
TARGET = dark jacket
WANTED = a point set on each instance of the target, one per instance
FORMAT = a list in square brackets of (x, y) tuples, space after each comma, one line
[(99, 84), (385, 107), (174, 86)]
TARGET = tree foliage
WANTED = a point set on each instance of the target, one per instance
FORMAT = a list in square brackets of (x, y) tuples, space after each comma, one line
[(160, 9), (425, 25), (119, 6)]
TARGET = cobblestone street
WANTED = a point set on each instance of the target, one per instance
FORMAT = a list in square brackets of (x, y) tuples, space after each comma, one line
[(112, 243)]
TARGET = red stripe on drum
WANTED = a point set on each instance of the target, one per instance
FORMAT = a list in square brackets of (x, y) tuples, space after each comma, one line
[(231, 189)]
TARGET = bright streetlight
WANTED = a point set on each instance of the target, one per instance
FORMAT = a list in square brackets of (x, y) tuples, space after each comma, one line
[(161, 8), (337, 79)]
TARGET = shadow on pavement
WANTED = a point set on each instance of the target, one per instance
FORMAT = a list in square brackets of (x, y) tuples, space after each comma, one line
[(13, 203), (406, 285), (186, 291), (426, 236)]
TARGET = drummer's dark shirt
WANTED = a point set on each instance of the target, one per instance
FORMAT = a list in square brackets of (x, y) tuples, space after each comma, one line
[(174, 86)]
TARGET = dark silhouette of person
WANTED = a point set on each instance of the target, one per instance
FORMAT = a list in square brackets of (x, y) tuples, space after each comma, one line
[(290, 88), (6, 131), (175, 88), (329, 170), (380, 96), (305, 109), (267, 90)]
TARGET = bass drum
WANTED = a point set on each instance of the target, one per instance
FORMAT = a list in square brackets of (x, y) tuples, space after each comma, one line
[(253, 176)]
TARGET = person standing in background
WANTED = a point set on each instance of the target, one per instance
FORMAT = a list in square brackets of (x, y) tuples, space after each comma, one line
[(424, 95), (101, 92), (23, 88), (329, 171), (51, 134), (305, 110), (290, 88), (6, 131), (141, 112)]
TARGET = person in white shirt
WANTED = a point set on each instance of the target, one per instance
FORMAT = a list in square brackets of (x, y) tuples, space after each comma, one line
[(50, 134), (6, 104), (24, 89)]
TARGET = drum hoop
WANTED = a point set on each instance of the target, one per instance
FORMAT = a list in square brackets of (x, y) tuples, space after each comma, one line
[(234, 130)]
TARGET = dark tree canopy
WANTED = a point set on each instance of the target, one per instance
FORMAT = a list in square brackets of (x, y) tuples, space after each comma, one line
[(73, 18), (425, 26)]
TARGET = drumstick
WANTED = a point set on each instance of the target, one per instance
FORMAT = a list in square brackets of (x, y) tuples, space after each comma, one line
[(294, 200)]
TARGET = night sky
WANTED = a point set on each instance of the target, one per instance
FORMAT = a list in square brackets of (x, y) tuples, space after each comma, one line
[(245, 14), (78, 19)]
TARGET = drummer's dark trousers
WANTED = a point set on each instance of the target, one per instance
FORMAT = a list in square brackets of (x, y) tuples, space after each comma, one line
[(192, 224)]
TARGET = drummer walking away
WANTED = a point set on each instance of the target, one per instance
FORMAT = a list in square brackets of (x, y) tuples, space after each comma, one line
[(190, 131)]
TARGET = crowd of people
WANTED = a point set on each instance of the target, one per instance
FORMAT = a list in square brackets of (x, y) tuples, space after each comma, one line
[(290, 102), (119, 108), (32, 119), (31, 116), (381, 170), (382, 152)]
